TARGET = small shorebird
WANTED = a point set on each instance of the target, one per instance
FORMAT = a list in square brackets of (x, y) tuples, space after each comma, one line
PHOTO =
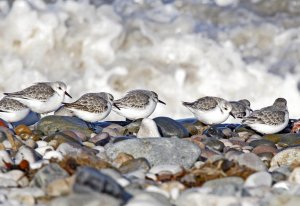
[(210, 110), (269, 120), (91, 107), (137, 104), (42, 97), (12, 111), (240, 109)]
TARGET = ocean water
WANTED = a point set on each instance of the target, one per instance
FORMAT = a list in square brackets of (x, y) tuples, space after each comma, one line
[(182, 49)]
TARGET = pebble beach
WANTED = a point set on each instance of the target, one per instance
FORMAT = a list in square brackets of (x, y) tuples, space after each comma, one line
[(177, 50), (159, 161)]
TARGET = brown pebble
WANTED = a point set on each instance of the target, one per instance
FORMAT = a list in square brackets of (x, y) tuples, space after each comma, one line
[(122, 158), (22, 129)]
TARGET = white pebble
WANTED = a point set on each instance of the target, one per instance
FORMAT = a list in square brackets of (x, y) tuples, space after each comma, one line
[(259, 179), (53, 155), (41, 143), (4, 157), (174, 169), (43, 150), (148, 128)]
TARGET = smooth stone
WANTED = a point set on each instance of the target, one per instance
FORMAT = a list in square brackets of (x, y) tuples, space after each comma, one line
[(259, 179), (295, 176), (49, 155), (114, 130), (47, 174), (62, 137), (148, 199), (100, 139), (5, 182), (214, 132), (41, 143), (227, 132), (134, 165), (285, 200), (169, 168), (60, 187), (272, 137), (122, 158), (43, 150), (158, 151), (238, 181), (169, 127), (92, 199), (52, 124), (198, 199), (116, 175), (263, 149), (69, 148), (289, 139), (12, 174), (133, 127), (148, 128), (89, 180), (278, 176), (260, 142), (286, 157), (27, 153), (214, 143), (251, 161), (31, 143), (5, 158)]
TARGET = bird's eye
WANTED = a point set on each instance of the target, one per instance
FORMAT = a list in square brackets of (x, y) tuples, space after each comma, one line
[(226, 108), (59, 88)]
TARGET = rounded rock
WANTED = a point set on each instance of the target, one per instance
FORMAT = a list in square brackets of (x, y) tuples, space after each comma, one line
[(148, 128)]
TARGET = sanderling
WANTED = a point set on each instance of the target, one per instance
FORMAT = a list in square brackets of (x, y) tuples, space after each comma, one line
[(210, 110), (92, 107), (137, 104), (240, 109), (12, 111), (42, 97), (269, 120)]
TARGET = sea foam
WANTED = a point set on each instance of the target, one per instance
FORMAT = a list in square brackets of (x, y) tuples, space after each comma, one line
[(183, 50)]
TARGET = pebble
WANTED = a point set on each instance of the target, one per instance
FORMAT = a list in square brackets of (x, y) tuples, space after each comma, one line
[(227, 186), (68, 148), (286, 157), (148, 128), (295, 176), (135, 165), (44, 149), (169, 127), (148, 199), (122, 158), (55, 155), (198, 199), (52, 124), (260, 142), (47, 174), (214, 144), (26, 153), (157, 151), (252, 161), (263, 149), (92, 199), (4, 158), (214, 132), (114, 130), (60, 187), (62, 137), (89, 180), (100, 139), (259, 179)]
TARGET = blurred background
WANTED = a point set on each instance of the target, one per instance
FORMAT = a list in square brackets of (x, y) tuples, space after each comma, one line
[(182, 49)]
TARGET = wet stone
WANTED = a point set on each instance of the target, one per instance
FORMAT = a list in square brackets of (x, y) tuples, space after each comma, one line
[(214, 132), (157, 150), (52, 124), (89, 180), (169, 127)]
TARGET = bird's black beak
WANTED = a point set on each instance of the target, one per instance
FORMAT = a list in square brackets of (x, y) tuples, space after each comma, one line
[(66, 93), (161, 102), (116, 106)]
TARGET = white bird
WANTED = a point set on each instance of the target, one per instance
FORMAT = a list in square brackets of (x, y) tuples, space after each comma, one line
[(210, 110), (137, 104), (42, 97)]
